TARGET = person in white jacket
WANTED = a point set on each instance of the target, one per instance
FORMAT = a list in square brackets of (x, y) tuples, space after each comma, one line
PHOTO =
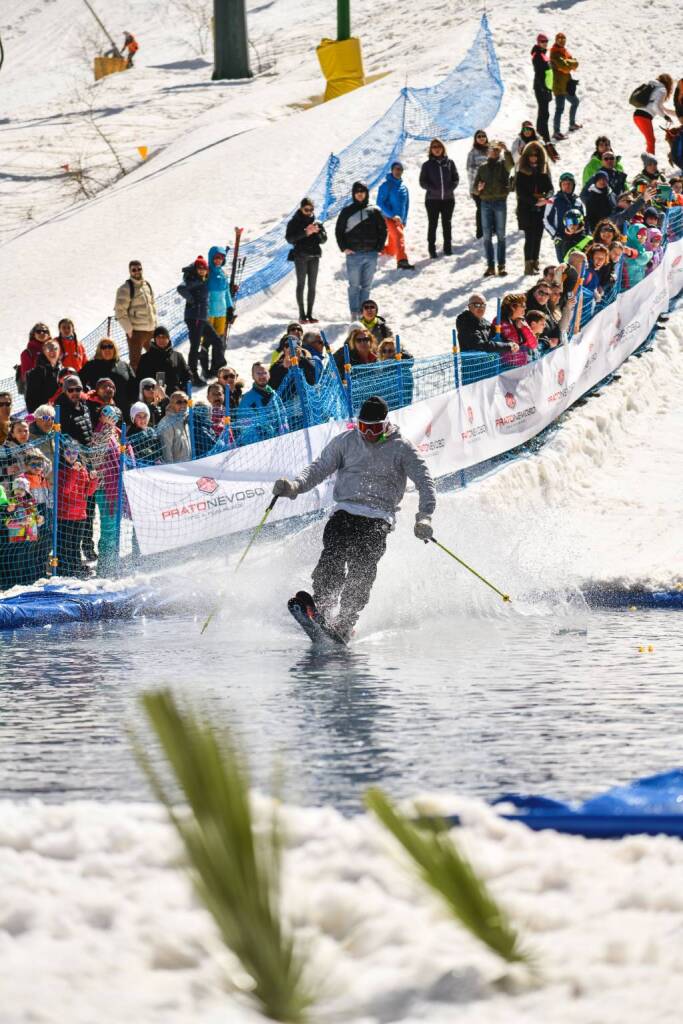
[(372, 466), (643, 116)]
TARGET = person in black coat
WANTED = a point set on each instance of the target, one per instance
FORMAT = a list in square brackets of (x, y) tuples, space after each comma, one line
[(538, 299), (42, 382), (74, 420), (361, 234), (195, 290), (439, 178), (534, 189), (163, 358), (598, 198), (541, 63), (473, 330), (107, 363), (307, 235), (279, 372)]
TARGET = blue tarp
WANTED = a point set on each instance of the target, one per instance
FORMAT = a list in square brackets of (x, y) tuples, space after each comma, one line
[(55, 604), (649, 806)]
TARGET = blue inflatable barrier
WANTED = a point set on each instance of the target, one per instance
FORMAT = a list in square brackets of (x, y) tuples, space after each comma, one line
[(649, 806), (57, 604)]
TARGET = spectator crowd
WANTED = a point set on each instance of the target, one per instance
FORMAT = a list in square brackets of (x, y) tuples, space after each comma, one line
[(607, 228)]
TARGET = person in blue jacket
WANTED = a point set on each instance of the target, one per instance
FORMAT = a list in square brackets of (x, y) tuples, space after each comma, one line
[(221, 305), (261, 412), (195, 290), (393, 200)]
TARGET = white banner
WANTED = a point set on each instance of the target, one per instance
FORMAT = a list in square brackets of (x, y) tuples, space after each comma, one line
[(189, 502)]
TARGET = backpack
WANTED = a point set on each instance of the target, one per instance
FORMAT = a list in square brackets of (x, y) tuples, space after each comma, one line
[(549, 79), (641, 95), (131, 288)]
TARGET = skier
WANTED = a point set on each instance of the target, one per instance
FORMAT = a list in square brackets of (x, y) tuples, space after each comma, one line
[(372, 465)]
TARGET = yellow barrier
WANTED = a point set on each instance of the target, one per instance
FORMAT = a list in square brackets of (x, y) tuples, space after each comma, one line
[(104, 66), (342, 66)]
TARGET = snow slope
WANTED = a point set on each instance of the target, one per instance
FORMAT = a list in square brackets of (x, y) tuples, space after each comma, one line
[(206, 177)]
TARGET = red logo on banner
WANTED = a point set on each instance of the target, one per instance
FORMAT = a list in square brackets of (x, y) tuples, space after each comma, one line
[(428, 430), (470, 414), (207, 484), (510, 400), (560, 377), (677, 261)]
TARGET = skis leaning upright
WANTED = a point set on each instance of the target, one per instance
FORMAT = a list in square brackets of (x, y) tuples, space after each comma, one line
[(236, 271)]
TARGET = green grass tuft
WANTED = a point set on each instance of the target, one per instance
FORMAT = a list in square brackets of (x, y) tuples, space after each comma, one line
[(448, 872), (236, 870)]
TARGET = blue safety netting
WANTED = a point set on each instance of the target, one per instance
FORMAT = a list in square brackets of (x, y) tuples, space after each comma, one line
[(468, 98)]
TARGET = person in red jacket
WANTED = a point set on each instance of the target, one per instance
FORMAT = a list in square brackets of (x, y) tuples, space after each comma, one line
[(515, 329), (75, 486), (39, 334), (74, 355)]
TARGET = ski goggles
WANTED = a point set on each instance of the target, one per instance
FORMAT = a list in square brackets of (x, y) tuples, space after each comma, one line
[(373, 431)]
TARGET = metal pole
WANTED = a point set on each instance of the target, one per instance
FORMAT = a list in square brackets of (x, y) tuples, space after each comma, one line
[(54, 561), (119, 490), (97, 19), (190, 422), (343, 20), (457, 375), (231, 42)]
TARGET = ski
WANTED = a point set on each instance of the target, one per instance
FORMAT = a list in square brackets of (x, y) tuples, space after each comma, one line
[(234, 284), (303, 610)]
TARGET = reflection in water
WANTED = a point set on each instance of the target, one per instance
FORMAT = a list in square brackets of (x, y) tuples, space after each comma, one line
[(474, 704)]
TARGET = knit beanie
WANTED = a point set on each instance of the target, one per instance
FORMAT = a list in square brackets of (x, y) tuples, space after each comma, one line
[(136, 409), (201, 262), (373, 410)]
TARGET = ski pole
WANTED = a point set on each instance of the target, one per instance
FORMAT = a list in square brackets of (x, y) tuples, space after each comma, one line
[(244, 555), (506, 597)]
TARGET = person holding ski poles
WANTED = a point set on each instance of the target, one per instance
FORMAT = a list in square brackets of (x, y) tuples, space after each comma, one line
[(372, 464)]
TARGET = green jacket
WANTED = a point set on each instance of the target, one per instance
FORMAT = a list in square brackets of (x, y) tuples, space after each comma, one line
[(595, 164), (496, 178)]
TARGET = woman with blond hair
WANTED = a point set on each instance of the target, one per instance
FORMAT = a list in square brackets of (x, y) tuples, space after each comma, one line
[(107, 363), (534, 188), (515, 331), (439, 178), (362, 349)]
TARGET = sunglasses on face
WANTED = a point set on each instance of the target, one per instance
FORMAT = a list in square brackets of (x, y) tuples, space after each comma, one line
[(307, 209), (135, 270), (41, 330), (369, 306), (478, 305), (70, 390), (106, 346), (148, 387), (228, 376), (5, 405)]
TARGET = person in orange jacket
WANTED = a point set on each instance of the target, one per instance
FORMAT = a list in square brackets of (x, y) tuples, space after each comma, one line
[(130, 43)]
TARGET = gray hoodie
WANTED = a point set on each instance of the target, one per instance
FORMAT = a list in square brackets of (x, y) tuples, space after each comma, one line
[(371, 476)]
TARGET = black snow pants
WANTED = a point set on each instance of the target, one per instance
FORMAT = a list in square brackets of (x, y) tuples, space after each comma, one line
[(346, 570)]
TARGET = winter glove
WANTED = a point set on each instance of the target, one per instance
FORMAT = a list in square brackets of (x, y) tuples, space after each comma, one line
[(284, 489), (423, 528)]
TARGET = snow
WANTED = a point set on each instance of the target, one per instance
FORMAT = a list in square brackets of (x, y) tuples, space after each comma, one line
[(97, 896), (92, 904)]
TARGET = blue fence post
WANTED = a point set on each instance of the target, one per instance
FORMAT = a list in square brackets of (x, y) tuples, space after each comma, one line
[(347, 379), (577, 308), (299, 383), (119, 490), (54, 558), (620, 274), (399, 357), (333, 361), (457, 376), (190, 421)]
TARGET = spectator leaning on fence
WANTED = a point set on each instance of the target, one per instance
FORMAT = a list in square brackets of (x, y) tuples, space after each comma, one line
[(234, 386), (136, 311), (173, 430), (473, 330)]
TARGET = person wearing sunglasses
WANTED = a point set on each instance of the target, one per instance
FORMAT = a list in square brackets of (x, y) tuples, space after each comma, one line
[(361, 234), (475, 158), (74, 413), (306, 235), (373, 322), (154, 397), (474, 330), (5, 414), (611, 165), (42, 382), (107, 362), (439, 178), (28, 359), (362, 349), (234, 386), (372, 465), (173, 431), (538, 299), (534, 189), (136, 311)]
